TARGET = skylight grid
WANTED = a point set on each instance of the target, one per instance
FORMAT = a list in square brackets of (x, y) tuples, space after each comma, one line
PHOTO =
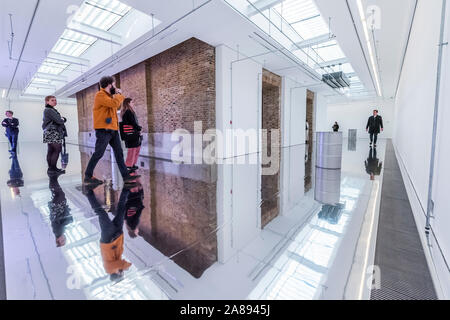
[(102, 14), (304, 17), (329, 51)]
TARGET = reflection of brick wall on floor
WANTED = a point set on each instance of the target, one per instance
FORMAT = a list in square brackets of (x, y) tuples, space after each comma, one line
[(271, 119), (182, 212)]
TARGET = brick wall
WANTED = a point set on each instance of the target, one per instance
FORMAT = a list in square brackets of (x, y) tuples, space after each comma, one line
[(133, 83), (183, 87), (271, 119)]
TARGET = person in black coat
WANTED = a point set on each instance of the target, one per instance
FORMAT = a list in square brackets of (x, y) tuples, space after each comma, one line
[(130, 132), (336, 127), (16, 176), (54, 134), (12, 130), (373, 164), (374, 125), (134, 207), (59, 209)]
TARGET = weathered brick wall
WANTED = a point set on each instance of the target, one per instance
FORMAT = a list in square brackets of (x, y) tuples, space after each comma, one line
[(271, 119), (133, 83), (85, 102), (183, 87)]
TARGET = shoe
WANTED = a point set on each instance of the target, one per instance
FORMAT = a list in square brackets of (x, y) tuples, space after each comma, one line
[(131, 169), (92, 181), (54, 171), (374, 145), (86, 188), (130, 179)]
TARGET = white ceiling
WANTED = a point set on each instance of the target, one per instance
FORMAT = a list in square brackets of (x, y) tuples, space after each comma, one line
[(391, 38), (215, 23), (48, 24)]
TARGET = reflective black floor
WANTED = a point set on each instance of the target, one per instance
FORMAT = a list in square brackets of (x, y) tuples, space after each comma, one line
[(180, 234)]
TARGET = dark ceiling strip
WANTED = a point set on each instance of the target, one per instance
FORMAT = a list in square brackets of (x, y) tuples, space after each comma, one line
[(23, 47)]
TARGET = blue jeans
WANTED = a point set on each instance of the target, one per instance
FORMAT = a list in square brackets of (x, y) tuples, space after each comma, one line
[(105, 137), (12, 137)]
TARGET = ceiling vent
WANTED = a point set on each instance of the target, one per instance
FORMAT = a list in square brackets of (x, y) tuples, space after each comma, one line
[(336, 80)]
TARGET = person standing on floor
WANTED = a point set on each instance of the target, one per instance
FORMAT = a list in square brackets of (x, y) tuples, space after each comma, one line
[(54, 134), (374, 124), (131, 133), (106, 124), (12, 130), (336, 127)]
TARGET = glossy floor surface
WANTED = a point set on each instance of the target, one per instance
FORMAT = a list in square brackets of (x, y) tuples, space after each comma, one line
[(63, 241)]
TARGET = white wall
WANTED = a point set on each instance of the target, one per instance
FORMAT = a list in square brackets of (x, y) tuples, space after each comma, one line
[(238, 99), (30, 115), (293, 110), (320, 106), (354, 115), (413, 133)]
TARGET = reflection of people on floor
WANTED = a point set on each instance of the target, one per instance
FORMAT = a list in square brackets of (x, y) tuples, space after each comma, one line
[(134, 207), (15, 175), (111, 240), (373, 164), (60, 216)]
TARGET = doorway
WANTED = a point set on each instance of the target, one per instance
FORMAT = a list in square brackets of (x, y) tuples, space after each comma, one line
[(310, 123)]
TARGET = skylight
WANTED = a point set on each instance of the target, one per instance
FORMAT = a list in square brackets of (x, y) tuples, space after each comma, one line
[(304, 17), (298, 26), (102, 14)]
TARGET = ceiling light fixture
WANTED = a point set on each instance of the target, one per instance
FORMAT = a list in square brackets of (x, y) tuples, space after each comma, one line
[(4, 94), (369, 44)]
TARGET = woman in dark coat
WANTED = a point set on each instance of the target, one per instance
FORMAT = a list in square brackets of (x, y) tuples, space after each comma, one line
[(54, 134), (131, 133)]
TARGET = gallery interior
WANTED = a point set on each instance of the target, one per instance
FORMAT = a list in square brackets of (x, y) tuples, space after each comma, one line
[(288, 150)]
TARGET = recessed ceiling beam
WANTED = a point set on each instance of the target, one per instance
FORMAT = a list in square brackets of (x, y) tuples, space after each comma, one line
[(332, 63), (49, 76), (313, 41), (42, 86), (100, 34), (261, 5), (69, 59)]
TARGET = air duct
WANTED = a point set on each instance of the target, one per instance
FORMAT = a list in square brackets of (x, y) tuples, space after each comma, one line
[(336, 80)]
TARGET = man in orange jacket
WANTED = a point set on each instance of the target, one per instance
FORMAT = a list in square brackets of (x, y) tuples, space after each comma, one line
[(106, 124)]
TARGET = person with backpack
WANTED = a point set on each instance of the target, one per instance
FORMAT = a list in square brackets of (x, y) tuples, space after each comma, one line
[(131, 133)]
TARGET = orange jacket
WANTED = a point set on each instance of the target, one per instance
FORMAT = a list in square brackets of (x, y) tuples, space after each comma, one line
[(106, 106), (112, 256)]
